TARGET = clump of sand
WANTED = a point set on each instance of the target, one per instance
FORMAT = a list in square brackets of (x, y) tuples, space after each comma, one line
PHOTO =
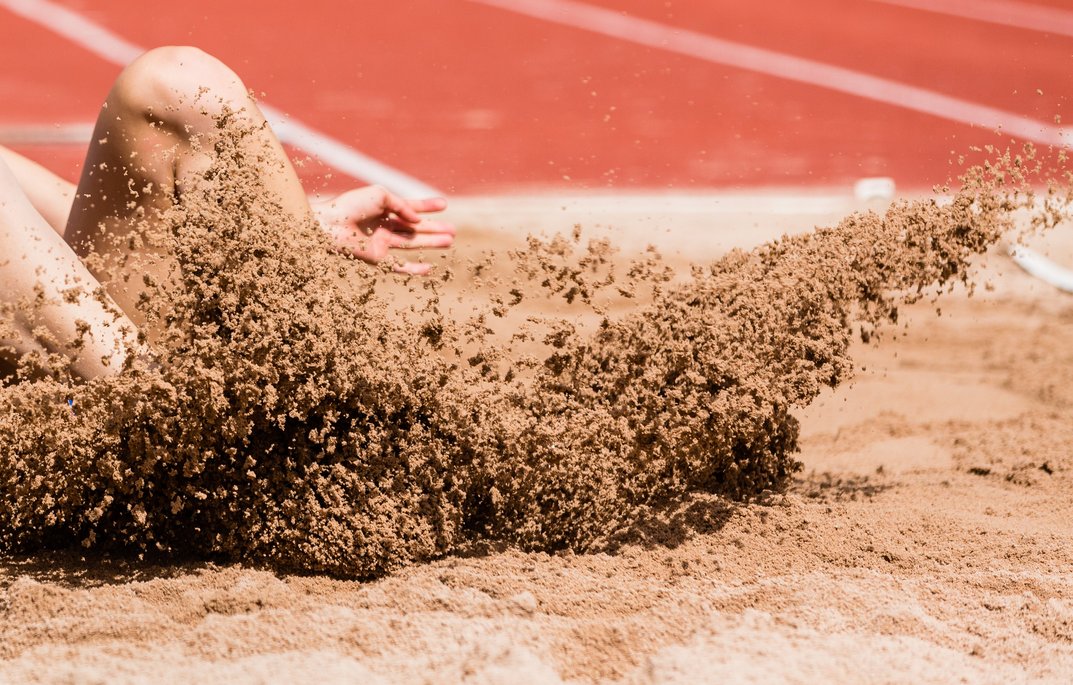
[(295, 414)]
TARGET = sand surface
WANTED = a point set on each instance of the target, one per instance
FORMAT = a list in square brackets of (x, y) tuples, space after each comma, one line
[(927, 540)]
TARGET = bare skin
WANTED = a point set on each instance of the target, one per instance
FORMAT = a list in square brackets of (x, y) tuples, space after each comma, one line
[(144, 152), (39, 266)]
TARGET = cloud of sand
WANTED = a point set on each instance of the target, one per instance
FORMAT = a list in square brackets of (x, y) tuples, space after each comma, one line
[(294, 414)]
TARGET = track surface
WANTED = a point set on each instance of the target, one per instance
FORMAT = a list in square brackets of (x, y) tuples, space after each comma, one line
[(475, 99)]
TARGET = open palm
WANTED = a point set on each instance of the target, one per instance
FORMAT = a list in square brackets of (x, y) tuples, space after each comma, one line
[(370, 222)]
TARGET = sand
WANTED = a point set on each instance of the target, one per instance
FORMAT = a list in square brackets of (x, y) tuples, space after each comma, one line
[(924, 538)]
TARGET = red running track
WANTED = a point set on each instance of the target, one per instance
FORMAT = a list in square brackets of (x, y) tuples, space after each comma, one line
[(475, 99)]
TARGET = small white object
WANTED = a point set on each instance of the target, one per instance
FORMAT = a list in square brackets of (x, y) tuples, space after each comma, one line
[(1042, 268), (876, 188), (56, 134)]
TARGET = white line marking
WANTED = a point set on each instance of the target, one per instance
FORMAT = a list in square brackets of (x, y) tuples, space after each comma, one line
[(40, 134), (656, 206), (343, 157), (76, 29), (113, 48), (1004, 12), (702, 46), (1042, 268)]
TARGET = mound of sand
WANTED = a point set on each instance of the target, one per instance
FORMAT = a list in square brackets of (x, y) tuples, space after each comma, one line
[(923, 540), (927, 537), (302, 413)]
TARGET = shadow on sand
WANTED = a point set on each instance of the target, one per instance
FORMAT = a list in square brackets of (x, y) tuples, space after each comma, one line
[(74, 570)]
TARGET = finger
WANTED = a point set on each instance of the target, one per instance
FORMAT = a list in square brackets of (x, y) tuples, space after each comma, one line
[(423, 226), (400, 207), (430, 204), (426, 226), (421, 240), (412, 268)]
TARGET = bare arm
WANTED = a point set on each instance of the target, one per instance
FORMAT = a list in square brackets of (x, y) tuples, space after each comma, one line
[(49, 194)]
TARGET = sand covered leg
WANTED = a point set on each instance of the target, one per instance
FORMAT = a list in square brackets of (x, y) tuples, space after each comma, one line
[(151, 143), (51, 300)]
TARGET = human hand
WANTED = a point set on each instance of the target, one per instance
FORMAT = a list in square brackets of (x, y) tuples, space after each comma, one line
[(368, 222)]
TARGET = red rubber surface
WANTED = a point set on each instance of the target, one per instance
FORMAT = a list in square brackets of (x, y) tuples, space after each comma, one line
[(474, 99)]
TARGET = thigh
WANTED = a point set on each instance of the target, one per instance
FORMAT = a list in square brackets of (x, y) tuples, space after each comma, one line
[(49, 299)]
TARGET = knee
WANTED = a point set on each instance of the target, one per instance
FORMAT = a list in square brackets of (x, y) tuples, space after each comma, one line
[(178, 81)]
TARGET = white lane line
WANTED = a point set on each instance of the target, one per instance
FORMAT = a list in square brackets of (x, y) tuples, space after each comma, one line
[(1020, 15), (343, 157), (116, 49), (42, 134), (76, 28), (1042, 268), (790, 202), (718, 51)]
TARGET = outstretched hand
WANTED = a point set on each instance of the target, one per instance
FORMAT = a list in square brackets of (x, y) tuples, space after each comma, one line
[(368, 222)]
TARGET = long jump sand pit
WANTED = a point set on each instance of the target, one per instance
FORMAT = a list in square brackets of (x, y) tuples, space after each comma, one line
[(926, 538)]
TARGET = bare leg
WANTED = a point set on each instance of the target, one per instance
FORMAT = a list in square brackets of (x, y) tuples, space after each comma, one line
[(146, 148), (50, 293), (145, 151)]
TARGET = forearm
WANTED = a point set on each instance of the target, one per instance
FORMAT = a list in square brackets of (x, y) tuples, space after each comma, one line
[(49, 194)]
